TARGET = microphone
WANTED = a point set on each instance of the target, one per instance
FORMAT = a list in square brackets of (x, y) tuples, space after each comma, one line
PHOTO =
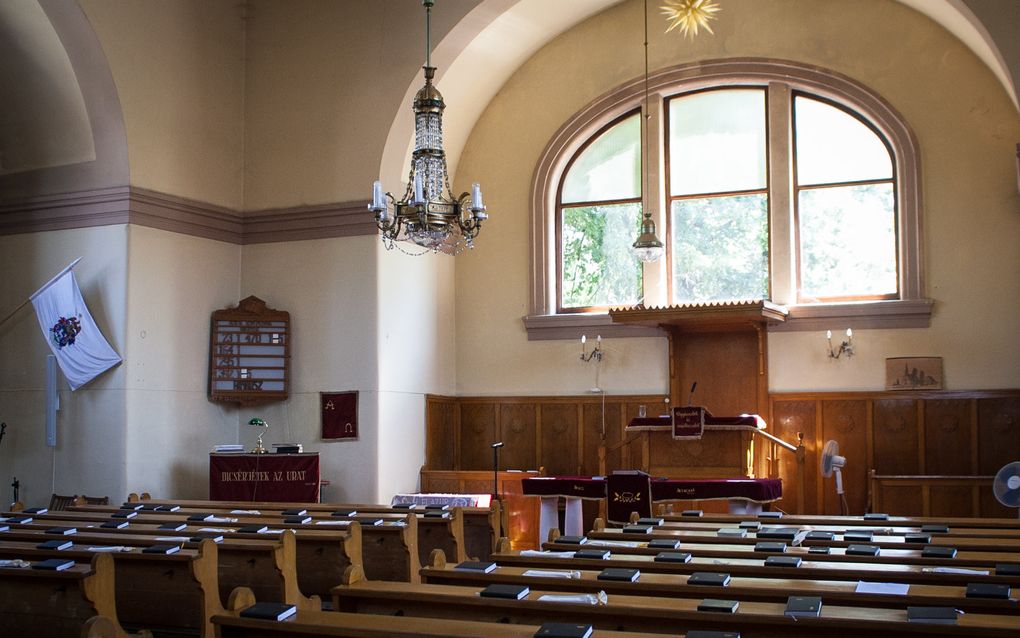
[(496, 445), (690, 397)]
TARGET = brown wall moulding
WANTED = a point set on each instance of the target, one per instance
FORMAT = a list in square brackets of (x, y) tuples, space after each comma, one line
[(143, 207)]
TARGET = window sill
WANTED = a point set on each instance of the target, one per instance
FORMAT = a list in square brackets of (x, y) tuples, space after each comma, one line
[(913, 313)]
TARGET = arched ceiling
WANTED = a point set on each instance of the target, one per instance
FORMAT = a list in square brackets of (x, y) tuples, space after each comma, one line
[(478, 55)]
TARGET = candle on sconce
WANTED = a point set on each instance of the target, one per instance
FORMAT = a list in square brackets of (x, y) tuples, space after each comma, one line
[(476, 197), (828, 335), (419, 196), (378, 202), (849, 333)]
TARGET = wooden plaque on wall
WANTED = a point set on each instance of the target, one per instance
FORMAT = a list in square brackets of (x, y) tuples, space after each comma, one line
[(249, 354)]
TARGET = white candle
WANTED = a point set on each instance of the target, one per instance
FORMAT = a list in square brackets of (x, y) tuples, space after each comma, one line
[(599, 344), (476, 196), (377, 195), (419, 196), (584, 338), (828, 334), (849, 333)]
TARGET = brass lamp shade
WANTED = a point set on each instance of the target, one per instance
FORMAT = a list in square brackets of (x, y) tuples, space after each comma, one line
[(648, 247)]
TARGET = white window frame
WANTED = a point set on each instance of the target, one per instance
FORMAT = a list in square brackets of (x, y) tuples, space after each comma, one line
[(782, 78)]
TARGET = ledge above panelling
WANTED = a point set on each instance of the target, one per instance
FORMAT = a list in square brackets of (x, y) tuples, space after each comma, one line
[(143, 207)]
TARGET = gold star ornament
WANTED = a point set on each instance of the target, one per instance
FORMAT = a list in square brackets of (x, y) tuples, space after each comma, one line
[(689, 15)]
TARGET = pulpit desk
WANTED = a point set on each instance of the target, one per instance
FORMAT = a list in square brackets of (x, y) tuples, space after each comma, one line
[(277, 478)]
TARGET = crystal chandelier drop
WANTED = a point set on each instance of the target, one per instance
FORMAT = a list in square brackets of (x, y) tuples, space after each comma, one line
[(647, 247), (428, 214)]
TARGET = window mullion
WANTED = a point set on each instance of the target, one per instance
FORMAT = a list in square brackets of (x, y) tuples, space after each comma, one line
[(782, 224)]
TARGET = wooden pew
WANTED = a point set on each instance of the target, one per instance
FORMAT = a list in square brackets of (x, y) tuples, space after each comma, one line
[(852, 521), (647, 613), (821, 567), (77, 602), (766, 588)]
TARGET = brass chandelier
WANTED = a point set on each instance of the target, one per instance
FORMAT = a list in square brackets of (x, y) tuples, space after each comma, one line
[(428, 214)]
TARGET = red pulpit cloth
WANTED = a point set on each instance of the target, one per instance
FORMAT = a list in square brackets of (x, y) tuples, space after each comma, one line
[(277, 478)]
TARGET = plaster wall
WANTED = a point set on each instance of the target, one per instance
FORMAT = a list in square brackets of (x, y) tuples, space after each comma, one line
[(179, 71), (90, 455), (967, 130)]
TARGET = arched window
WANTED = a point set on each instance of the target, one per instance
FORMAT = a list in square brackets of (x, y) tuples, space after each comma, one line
[(773, 181)]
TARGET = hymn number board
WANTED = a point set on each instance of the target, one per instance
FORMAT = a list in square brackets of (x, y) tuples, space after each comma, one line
[(249, 354)]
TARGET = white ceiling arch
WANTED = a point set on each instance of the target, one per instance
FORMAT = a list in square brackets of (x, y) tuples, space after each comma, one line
[(521, 27)]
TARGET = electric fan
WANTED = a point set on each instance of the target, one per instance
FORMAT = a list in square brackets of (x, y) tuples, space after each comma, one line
[(1006, 485), (833, 462)]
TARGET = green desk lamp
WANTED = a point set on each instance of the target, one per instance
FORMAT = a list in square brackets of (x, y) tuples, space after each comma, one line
[(259, 423)]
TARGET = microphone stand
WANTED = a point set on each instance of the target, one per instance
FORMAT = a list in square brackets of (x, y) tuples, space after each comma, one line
[(495, 469)]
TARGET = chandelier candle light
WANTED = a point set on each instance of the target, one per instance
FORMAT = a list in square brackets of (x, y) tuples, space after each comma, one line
[(428, 214), (847, 347)]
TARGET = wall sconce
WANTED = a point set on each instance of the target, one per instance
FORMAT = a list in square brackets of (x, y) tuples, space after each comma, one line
[(847, 347), (595, 354)]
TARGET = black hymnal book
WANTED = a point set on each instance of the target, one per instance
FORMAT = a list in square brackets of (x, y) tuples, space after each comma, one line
[(876, 516), (595, 554), (563, 630), (1007, 569), (782, 561), (751, 525), (987, 590), (172, 527), (709, 578), (345, 513), (719, 606), (124, 514), (819, 549), (778, 533), (167, 508), (733, 532), (770, 515), (370, 521), (770, 546), (923, 539), (500, 590), (477, 566), (859, 535), (437, 514), (200, 518), (55, 544), (62, 531), (803, 606), (672, 557), (114, 524), (35, 510), (131, 506), (637, 529), (269, 611), (935, 528), (654, 522), (619, 573), (298, 520), (437, 507), (207, 536), (4, 528), (862, 550), (23, 520), (938, 551), (252, 529), (692, 513), (572, 540), (663, 543), (819, 536), (404, 506), (55, 564), (148, 507), (935, 615), (707, 633), (294, 511), (161, 549)]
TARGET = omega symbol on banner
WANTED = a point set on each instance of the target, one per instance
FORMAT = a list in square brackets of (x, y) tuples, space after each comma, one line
[(339, 415)]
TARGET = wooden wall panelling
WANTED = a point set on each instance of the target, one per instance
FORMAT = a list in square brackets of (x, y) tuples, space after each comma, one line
[(896, 437), (518, 431), (947, 434), (441, 436), (592, 435), (726, 366), (990, 506), (845, 421), (951, 500), (478, 430), (716, 454), (904, 500), (789, 418), (998, 433), (559, 436)]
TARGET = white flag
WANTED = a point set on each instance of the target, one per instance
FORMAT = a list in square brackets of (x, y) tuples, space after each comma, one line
[(73, 336)]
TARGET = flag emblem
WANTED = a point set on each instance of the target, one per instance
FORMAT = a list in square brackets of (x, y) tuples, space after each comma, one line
[(65, 330)]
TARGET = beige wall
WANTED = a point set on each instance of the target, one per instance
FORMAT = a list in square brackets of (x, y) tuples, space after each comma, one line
[(966, 127), (179, 71), (91, 432)]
